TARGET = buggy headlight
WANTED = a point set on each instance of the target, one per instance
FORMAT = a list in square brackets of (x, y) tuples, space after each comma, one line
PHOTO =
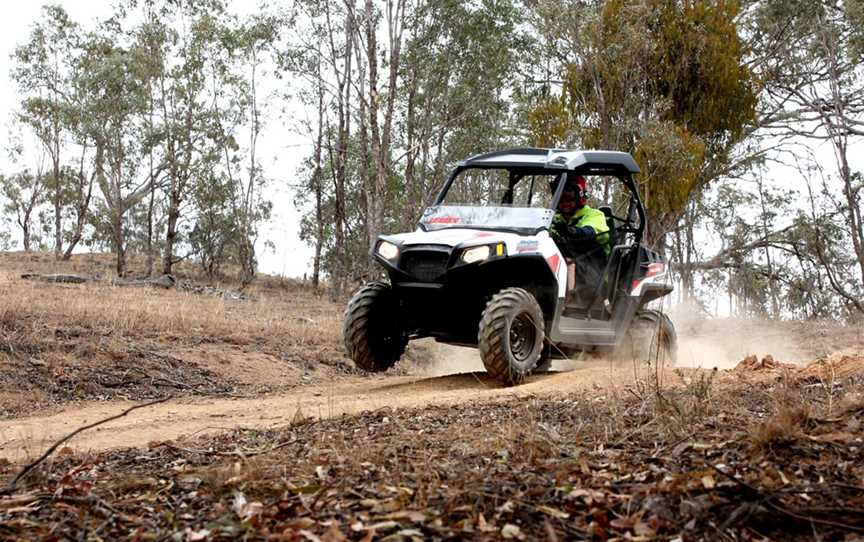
[(388, 251), (476, 254)]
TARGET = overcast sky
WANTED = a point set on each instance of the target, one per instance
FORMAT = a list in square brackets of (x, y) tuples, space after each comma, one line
[(281, 149)]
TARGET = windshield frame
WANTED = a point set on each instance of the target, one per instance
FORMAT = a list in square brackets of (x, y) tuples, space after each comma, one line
[(623, 176), (520, 171)]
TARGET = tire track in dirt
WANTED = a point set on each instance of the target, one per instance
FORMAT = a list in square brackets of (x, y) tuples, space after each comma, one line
[(25, 437)]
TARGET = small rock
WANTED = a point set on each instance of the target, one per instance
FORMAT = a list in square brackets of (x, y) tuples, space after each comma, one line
[(511, 531)]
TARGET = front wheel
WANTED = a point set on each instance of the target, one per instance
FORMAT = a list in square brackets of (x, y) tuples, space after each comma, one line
[(511, 335), (372, 332), (544, 364)]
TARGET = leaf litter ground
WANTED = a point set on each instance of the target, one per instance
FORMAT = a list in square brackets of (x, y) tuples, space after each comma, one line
[(763, 452)]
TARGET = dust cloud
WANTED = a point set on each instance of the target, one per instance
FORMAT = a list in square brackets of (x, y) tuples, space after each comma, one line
[(450, 360), (705, 343), (447, 360), (722, 343)]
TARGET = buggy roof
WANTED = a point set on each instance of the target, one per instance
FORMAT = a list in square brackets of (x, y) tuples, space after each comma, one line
[(555, 159)]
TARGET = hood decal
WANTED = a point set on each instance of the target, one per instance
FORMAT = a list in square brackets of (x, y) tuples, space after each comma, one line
[(452, 237)]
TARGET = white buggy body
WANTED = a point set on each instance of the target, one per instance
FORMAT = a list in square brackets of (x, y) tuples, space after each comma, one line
[(488, 273), (540, 245)]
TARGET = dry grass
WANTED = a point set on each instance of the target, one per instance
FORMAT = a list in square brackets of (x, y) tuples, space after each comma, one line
[(96, 265), (784, 427), (283, 313), (63, 341), (744, 454), (278, 319)]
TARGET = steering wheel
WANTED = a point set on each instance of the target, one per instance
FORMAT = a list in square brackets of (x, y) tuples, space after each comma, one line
[(624, 228)]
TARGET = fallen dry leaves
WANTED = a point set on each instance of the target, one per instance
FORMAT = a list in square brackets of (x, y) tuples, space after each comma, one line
[(574, 467)]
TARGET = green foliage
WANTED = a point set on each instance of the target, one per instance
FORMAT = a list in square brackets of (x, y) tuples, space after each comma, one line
[(671, 159), (701, 68), (215, 230), (663, 79), (458, 68), (42, 71), (549, 122), (455, 79), (23, 193), (855, 16), (151, 104), (6, 242)]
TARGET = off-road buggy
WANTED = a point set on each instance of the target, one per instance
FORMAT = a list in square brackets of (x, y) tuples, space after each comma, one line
[(483, 270)]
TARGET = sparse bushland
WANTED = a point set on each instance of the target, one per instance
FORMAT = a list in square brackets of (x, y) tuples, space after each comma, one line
[(763, 450)]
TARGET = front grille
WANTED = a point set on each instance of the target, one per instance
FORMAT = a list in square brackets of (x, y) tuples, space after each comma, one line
[(425, 265)]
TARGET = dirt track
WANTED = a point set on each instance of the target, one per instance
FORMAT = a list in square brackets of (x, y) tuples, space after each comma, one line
[(24, 437), (456, 377)]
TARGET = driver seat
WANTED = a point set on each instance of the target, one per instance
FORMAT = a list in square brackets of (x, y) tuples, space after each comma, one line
[(616, 251), (610, 223)]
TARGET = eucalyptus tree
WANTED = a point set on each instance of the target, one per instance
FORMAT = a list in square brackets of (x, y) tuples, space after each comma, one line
[(248, 46), (328, 65), (23, 192), (461, 68), (175, 45), (311, 63), (392, 114), (42, 70), (817, 85), (114, 100), (666, 81), (152, 38), (378, 67)]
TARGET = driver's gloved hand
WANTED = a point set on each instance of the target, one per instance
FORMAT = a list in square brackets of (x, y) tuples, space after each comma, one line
[(581, 235)]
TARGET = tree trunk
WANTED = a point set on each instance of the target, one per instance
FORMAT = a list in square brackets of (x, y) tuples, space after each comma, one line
[(119, 242), (174, 144), (374, 193), (150, 229), (247, 253), (170, 234), (25, 229), (56, 196), (344, 101), (58, 210), (317, 185), (82, 204), (412, 194), (150, 205)]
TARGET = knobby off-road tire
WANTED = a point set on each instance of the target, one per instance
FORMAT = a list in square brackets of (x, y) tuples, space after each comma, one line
[(511, 335), (651, 338), (544, 364), (373, 336)]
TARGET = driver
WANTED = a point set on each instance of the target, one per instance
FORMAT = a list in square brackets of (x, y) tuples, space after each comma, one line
[(577, 227), (582, 234)]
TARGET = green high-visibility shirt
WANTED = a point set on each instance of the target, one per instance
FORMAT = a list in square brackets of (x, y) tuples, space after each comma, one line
[(590, 217)]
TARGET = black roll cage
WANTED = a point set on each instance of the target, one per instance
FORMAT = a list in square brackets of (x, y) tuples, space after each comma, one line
[(517, 172)]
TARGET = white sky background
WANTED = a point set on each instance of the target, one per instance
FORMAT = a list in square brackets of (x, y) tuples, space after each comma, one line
[(281, 149)]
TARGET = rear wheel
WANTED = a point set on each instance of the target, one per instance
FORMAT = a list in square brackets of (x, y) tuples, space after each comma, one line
[(651, 338), (511, 335), (373, 336)]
